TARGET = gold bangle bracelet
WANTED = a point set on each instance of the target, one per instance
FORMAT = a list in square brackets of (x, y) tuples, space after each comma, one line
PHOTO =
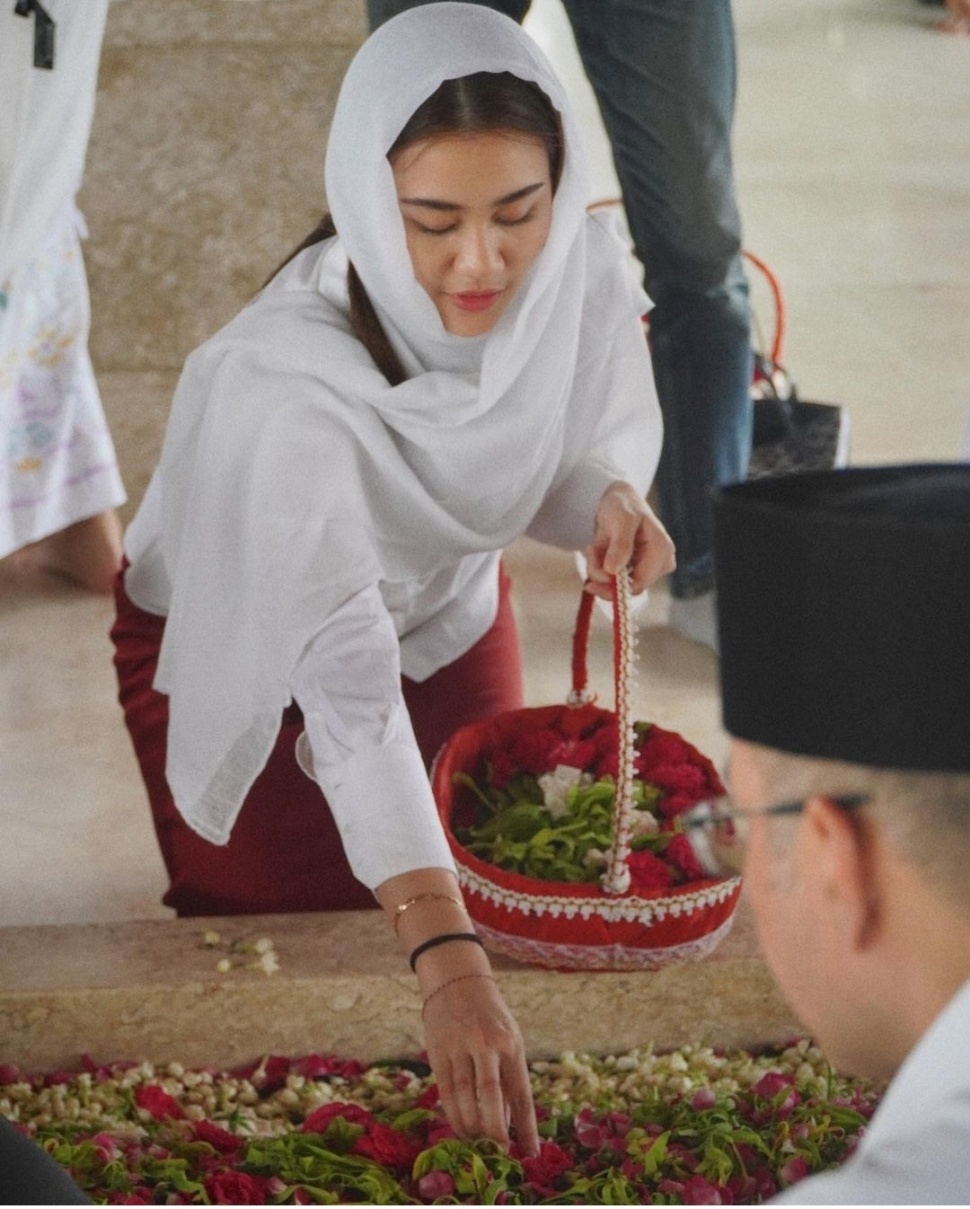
[(420, 898), (450, 983)]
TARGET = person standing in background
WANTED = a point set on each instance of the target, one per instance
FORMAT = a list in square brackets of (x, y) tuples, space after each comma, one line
[(59, 482), (663, 72), (59, 479)]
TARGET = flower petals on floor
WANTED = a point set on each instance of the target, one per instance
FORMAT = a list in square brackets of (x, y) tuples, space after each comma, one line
[(693, 1126)]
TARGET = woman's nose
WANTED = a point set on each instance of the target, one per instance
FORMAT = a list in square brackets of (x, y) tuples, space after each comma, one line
[(478, 251)]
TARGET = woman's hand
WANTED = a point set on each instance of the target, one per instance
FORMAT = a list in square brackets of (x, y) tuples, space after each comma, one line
[(627, 533), (474, 1045), (478, 1057)]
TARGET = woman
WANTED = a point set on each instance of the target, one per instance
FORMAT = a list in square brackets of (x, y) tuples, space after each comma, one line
[(463, 363), (59, 479)]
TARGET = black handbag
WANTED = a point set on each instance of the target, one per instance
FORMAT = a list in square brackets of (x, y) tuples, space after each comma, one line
[(789, 434)]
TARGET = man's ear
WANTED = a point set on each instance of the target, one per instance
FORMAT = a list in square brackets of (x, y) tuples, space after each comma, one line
[(843, 859)]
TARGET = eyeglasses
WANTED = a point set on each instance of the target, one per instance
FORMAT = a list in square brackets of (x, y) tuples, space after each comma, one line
[(718, 833)]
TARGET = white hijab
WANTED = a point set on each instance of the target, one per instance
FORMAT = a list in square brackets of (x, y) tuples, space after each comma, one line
[(466, 395), (293, 474)]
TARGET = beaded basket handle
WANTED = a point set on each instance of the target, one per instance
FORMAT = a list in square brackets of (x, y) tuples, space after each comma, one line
[(616, 879)]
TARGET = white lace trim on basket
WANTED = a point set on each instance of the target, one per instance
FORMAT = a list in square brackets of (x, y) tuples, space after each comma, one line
[(600, 957), (629, 909)]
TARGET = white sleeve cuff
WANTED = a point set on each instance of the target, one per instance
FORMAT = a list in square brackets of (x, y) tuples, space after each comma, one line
[(385, 812)]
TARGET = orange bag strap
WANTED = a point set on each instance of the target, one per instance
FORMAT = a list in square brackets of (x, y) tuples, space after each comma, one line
[(778, 298), (774, 285)]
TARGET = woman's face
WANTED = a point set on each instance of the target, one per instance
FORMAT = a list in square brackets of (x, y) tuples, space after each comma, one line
[(477, 210)]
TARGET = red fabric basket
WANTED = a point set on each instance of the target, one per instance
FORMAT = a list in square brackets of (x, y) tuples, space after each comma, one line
[(565, 925)]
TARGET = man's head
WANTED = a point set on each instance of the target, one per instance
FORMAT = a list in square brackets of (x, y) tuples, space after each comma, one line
[(862, 896), (845, 649)]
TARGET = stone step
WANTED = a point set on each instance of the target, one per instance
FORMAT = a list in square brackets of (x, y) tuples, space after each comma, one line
[(151, 990)]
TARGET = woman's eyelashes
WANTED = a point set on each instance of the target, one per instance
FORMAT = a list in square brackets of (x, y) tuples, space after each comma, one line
[(520, 220), (426, 230), (501, 220)]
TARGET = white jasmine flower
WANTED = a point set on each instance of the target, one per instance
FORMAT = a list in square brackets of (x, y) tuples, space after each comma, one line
[(555, 788), (268, 962), (643, 823)]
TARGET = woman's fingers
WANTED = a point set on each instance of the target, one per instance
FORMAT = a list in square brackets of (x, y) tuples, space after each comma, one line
[(457, 1089), (618, 520), (484, 1097), (628, 534), (653, 554), (478, 1058), (492, 1110), (520, 1105), (504, 1098)]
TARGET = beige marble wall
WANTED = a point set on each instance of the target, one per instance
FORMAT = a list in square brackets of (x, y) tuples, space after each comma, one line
[(205, 168), (151, 990)]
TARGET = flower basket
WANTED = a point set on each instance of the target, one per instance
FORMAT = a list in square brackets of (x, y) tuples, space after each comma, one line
[(629, 919)]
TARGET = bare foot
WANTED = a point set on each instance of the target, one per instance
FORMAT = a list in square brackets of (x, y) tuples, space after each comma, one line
[(958, 18), (88, 552)]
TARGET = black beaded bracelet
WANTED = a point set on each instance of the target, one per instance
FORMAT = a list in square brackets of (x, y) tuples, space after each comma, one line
[(441, 940)]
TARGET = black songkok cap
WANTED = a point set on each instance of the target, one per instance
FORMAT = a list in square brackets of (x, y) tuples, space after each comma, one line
[(844, 611)]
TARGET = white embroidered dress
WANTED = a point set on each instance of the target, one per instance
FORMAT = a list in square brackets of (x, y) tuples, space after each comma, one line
[(57, 460)]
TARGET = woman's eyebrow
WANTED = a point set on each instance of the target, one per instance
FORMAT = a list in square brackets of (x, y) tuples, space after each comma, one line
[(432, 203)]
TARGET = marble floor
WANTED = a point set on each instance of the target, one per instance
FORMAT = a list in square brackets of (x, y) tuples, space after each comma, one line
[(853, 162)]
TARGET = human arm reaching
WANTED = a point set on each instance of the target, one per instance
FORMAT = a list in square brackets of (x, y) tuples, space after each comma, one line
[(474, 1045), (360, 747)]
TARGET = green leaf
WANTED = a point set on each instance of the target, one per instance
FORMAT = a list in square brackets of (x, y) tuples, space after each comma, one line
[(305, 1159), (653, 1158), (611, 1188), (411, 1119), (718, 1162), (517, 832), (480, 1169), (171, 1172)]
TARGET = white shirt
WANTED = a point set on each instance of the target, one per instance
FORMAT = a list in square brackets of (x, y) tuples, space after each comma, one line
[(916, 1150), (294, 476), (359, 744)]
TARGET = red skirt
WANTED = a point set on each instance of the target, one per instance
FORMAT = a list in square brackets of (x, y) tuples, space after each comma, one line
[(285, 853)]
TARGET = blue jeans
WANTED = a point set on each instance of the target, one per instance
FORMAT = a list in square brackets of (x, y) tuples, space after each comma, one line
[(663, 72)]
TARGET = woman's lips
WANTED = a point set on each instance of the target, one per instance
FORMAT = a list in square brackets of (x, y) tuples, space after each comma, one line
[(478, 301)]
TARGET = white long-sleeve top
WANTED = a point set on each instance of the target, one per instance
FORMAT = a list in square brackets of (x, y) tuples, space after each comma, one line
[(916, 1149), (359, 744)]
